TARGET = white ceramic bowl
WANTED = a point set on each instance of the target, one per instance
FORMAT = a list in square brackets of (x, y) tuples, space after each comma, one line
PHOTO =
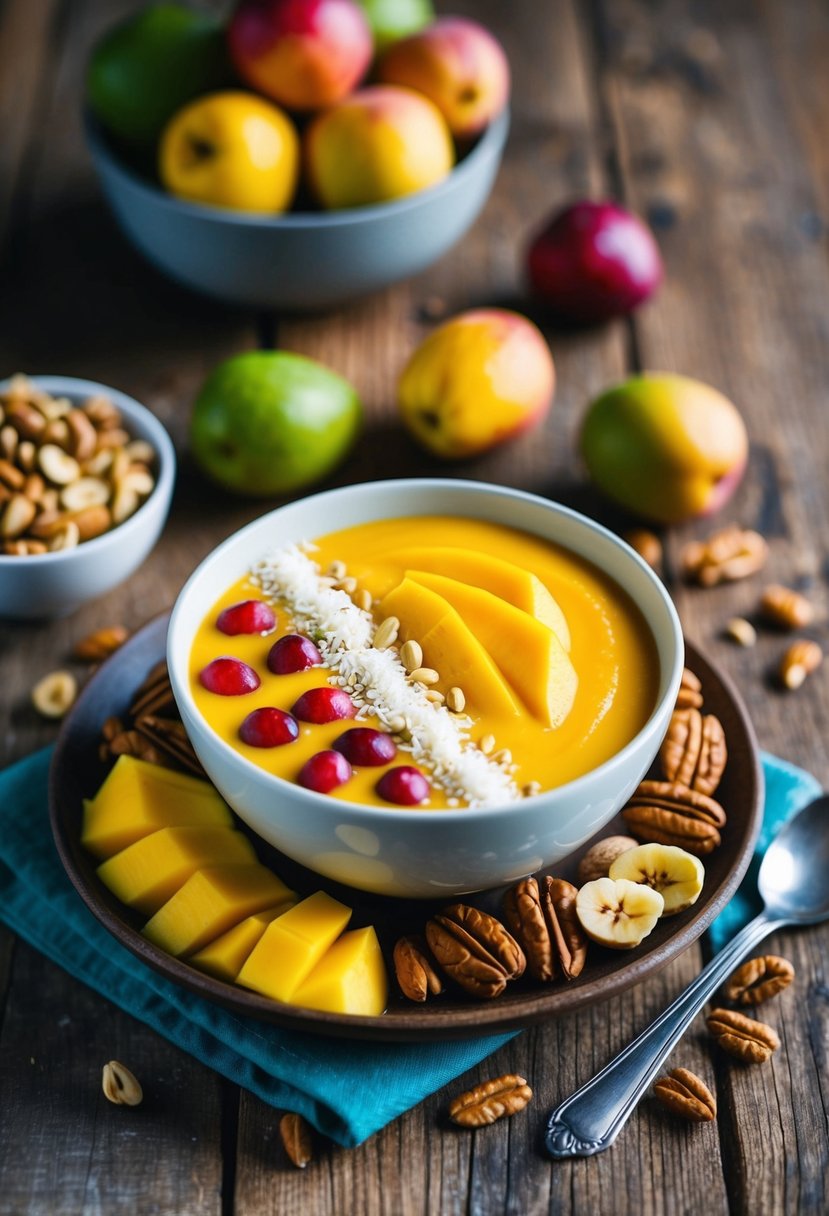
[(55, 584), (417, 853)]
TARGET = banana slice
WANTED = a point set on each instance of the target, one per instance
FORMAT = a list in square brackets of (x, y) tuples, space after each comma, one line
[(617, 912), (675, 874)]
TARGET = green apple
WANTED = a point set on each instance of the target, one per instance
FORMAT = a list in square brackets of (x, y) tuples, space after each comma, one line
[(393, 19), (145, 69), (666, 447), (269, 422)]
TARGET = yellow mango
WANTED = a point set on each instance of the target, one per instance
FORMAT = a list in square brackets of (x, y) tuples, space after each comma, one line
[(147, 873), (349, 978), (212, 901), (528, 654), (504, 579), (450, 647), (225, 956), (139, 798), (292, 945)]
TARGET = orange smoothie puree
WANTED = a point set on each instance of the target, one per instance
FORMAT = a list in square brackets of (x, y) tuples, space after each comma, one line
[(609, 648)]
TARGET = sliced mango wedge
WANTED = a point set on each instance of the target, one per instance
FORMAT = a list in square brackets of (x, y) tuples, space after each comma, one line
[(528, 654), (450, 646), (349, 978), (292, 945), (226, 955), (502, 578)]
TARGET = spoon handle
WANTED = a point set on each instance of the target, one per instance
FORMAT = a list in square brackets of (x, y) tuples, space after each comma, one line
[(590, 1120)]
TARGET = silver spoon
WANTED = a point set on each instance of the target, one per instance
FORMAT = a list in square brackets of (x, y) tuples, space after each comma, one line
[(794, 885)]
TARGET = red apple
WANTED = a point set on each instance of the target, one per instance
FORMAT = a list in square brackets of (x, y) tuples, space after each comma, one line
[(458, 65), (593, 261), (305, 54)]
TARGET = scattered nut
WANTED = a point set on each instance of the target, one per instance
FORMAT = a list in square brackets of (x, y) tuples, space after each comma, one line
[(18, 514), (337, 570), (414, 969), (490, 1101), (411, 655), (786, 608), (57, 466), (690, 691), (600, 857), (386, 633), (296, 1139), (487, 744), (120, 1086), (532, 788), (84, 492), (684, 1094), (742, 1037), (759, 979), (54, 694), (362, 599), (730, 554), (424, 675), (101, 644), (436, 698), (455, 700), (646, 544), (740, 631), (800, 660)]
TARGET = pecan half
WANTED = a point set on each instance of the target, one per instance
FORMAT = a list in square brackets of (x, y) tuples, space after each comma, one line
[(684, 1094), (101, 644), (786, 608), (799, 661), (690, 691), (543, 919), (665, 812), (490, 1101), (413, 967), (759, 979), (742, 1037), (568, 936), (169, 737), (475, 950), (693, 751), (296, 1139), (730, 554)]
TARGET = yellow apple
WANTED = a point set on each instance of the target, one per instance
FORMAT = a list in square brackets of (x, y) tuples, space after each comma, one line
[(231, 149), (479, 379)]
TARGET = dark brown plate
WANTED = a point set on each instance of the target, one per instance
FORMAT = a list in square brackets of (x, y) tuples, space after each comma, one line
[(77, 772)]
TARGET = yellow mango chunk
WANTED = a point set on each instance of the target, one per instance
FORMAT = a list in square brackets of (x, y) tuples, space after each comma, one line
[(146, 874), (504, 579), (139, 798), (528, 654), (450, 646), (225, 956), (292, 945), (349, 978), (212, 901)]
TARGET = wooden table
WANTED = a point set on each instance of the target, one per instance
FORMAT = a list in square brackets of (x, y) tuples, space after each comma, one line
[(708, 119)]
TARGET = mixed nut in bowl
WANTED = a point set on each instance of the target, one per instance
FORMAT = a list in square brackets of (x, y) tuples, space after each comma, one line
[(86, 478), (458, 687)]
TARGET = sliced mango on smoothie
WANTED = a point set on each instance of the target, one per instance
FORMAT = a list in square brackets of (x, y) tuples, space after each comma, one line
[(292, 945), (528, 654), (226, 956), (138, 798), (450, 646), (212, 901), (349, 978), (502, 578), (149, 872)]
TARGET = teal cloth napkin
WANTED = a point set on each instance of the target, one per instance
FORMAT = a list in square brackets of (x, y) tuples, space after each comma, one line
[(348, 1090)]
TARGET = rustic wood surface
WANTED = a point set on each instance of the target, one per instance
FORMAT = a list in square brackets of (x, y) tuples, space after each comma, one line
[(709, 119)]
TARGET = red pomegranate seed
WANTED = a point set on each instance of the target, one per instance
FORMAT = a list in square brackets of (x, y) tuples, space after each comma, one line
[(364, 745), (324, 772), (319, 705), (251, 616), (268, 727), (229, 677), (405, 786), (293, 653)]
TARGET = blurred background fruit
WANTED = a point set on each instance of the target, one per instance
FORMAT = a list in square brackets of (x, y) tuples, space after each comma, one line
[(304, 54), (231, 150), (458, 65), (666, 447), (270, 422), (476, 381), (146, 68), (380, 143), (393, 19), (593, 261)]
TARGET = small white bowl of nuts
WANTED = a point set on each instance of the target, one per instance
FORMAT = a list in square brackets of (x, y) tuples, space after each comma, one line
[(86, 478)]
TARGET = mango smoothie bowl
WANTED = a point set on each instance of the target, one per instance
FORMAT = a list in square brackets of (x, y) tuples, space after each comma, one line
[(424, 688)]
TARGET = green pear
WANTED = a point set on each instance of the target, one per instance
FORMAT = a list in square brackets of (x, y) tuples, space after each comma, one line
[(664, 446)]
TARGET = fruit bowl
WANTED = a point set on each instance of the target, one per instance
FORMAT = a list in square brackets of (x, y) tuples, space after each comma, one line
[(301, 260), (40, 586), (415, 853)]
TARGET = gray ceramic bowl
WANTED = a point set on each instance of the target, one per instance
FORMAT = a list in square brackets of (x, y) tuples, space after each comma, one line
[(301, 260)]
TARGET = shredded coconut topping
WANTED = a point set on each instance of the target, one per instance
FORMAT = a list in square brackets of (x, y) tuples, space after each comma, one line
[(377, 680)]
